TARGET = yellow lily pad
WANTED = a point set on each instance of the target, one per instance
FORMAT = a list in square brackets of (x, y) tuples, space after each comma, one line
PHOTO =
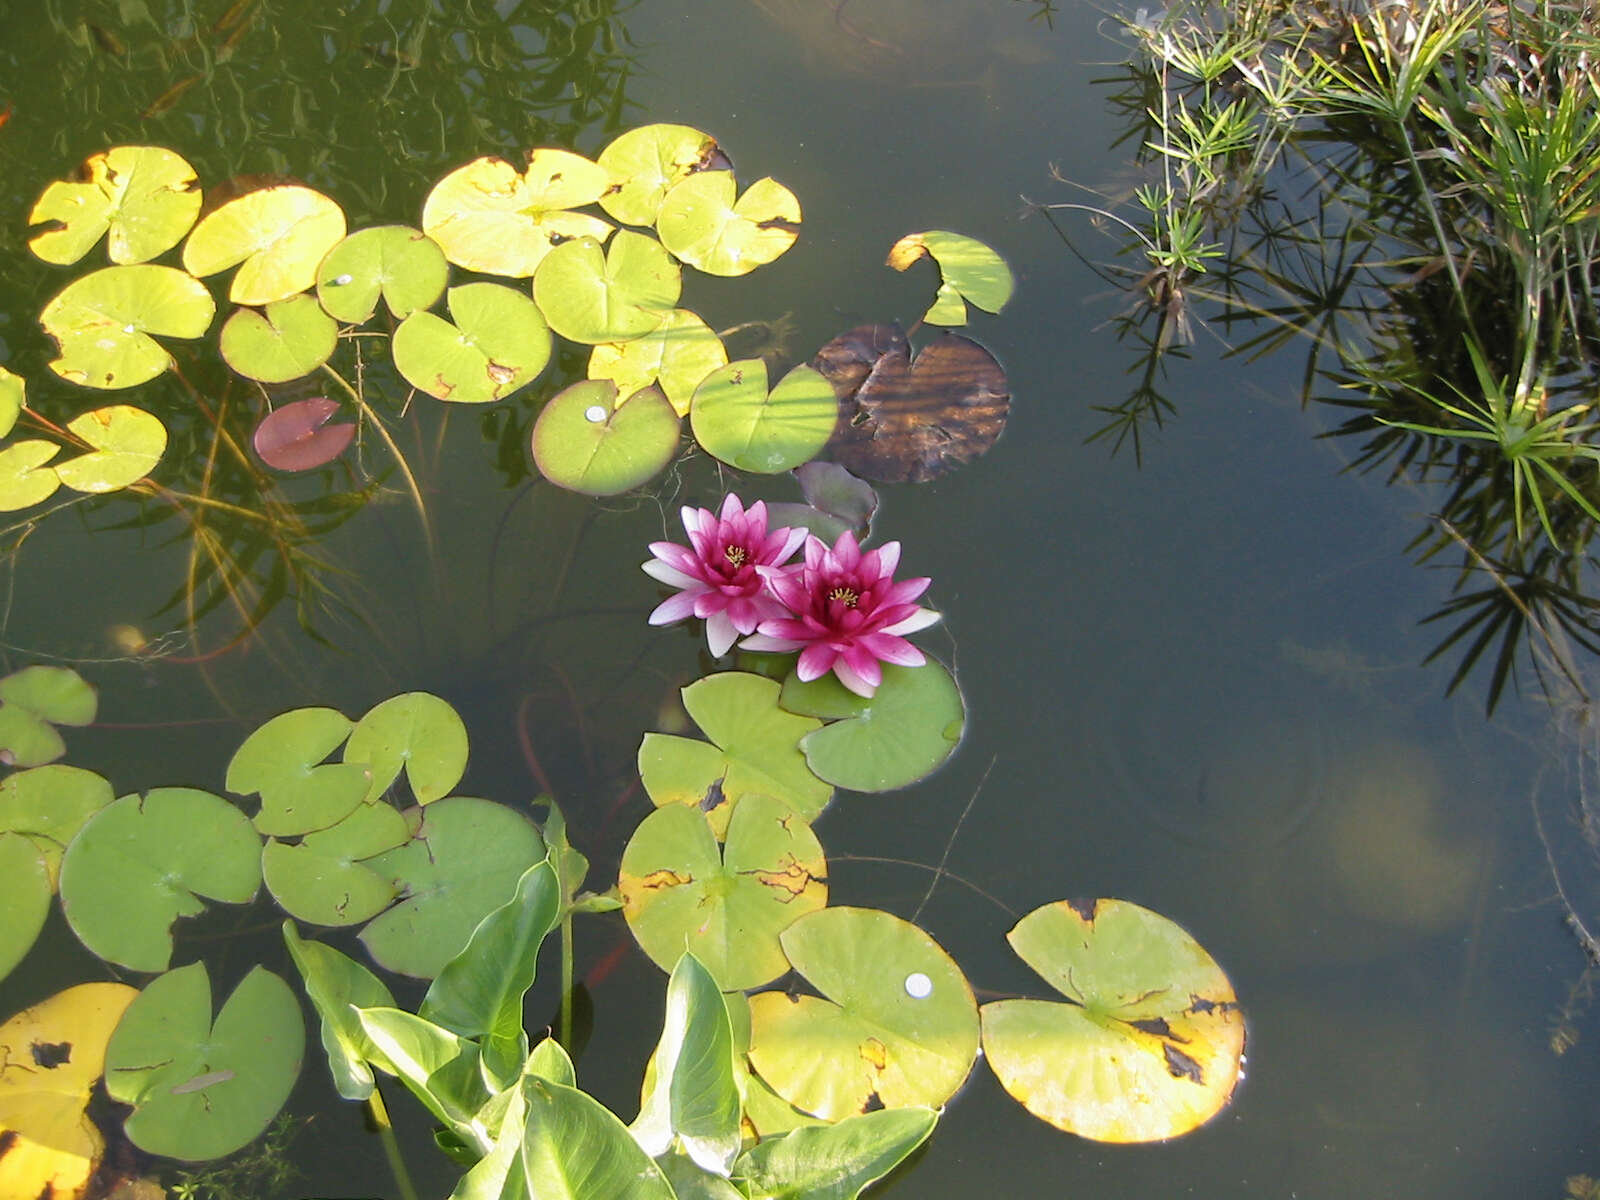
[(648, 162), (127, 442), (103, 323), (487, 216), (50, 1057), (13, 397), (24, 478), (278, 234), (702, 223), (678, 354), (146, 198)]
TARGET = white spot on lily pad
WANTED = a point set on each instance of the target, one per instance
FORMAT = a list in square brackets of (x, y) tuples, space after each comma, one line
[(918, 986), (595, 413)]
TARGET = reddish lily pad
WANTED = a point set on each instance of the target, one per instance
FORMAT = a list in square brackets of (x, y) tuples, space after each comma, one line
[(297, 436), (904, 420)]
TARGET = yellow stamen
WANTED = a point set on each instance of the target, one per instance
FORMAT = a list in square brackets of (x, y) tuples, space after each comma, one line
[(735, 555), (845, 596)]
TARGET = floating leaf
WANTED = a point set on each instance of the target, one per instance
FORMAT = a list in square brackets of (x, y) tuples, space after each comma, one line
[(25, 899), (488, 217), (573, 1148), (297, 437), (49, 805), (279, 234), (31, 701), (727, 909), (677, 355), (51, 1056), (902, 420), (287, 340), (498, 344), (702, 223), (969, 271), (593, 295), (902, 733), (24, 478), (899, 1025), (102, 323), (646, 163), (831, 489), (324, 879), (416, 731), (201, 1090), (463, 863), (333, 983), (1148, 1046), (736, 419), (126, 443), (283, 761), (755, 751), (401, 265), (144, 196), (835, 1162), (13, 398), (586, 441), (142, 862)]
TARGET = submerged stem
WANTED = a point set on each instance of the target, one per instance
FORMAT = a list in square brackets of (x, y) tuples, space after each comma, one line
[(391, 1146)]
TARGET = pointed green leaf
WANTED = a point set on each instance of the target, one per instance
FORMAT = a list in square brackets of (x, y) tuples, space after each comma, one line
[(834, 1162), (574, 1149), (334, 982), (440, 1068)]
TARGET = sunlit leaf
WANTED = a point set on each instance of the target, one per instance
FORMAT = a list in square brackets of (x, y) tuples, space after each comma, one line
[(644, 164), (200, 1089), (103, 323), (278, 234), (414, 731), (144, 196), (286, 340), (702, 223), (727, 907), (754, 749), (24, 478), (25, 893), (51, 1056), (589, 439), (49, 805), (834, 1162), (898, 1026), (142, 862), (677, 355), (1150, 1041), (13, 397), (333, 983), (573, 1148), (498, 344), (591, 294), (126, 443), (736, 419), (33, 700), (283, 760), (324, 878), (400, 265), (487, 216), (297, 437), (969, 271), (438, 1067)]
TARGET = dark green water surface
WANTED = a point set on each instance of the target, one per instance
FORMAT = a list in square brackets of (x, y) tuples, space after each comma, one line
[(1192, 684)]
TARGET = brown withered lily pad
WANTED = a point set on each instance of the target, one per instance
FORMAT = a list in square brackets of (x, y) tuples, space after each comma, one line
[(909, 420)]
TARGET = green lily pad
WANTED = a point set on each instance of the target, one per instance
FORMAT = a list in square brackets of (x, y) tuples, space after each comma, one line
[(739, 421), (678, 354), (754, 750), (279, 234), (323, 879), (1149, 1045), (416, 731), (835, 1162), (463, 863), (727, 909), (103, 323), (969, 271), (200, 1089), (589, 440), (487, 216), (33, 700), (283, 761), (145, 197), (402, 266), (13, 398), (289, 339), (702, 223), (498, 344), (899, 1025), (333, 983), (646, 163), (24, 478), (904, 732), (48, 805), (126, 442), (574, 1148), (142, 862), (24, 897), (593, 295)]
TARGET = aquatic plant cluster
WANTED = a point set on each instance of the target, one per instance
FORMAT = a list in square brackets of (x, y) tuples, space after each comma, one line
[(755, 1090)]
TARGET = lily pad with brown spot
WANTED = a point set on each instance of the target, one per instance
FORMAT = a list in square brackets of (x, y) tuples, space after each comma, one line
[(144, 197), (909, 420), (498, 344), (1148, 1045)]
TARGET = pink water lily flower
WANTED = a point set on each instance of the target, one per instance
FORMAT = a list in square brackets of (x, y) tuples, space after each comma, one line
[(846, 613), (718, 572)]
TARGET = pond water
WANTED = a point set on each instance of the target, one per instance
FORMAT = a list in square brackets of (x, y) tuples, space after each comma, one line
[(1193, 682)]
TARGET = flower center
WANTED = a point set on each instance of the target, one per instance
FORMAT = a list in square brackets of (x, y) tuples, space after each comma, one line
[(845, 596), (736, 555)]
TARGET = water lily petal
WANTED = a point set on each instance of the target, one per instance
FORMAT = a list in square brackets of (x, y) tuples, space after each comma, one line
[(859, 659), (889, 648), (720, 633), (851, 680), (815, 661), (769, 644), (673, 608), (920, 619), (882, 561), (668, 574)]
